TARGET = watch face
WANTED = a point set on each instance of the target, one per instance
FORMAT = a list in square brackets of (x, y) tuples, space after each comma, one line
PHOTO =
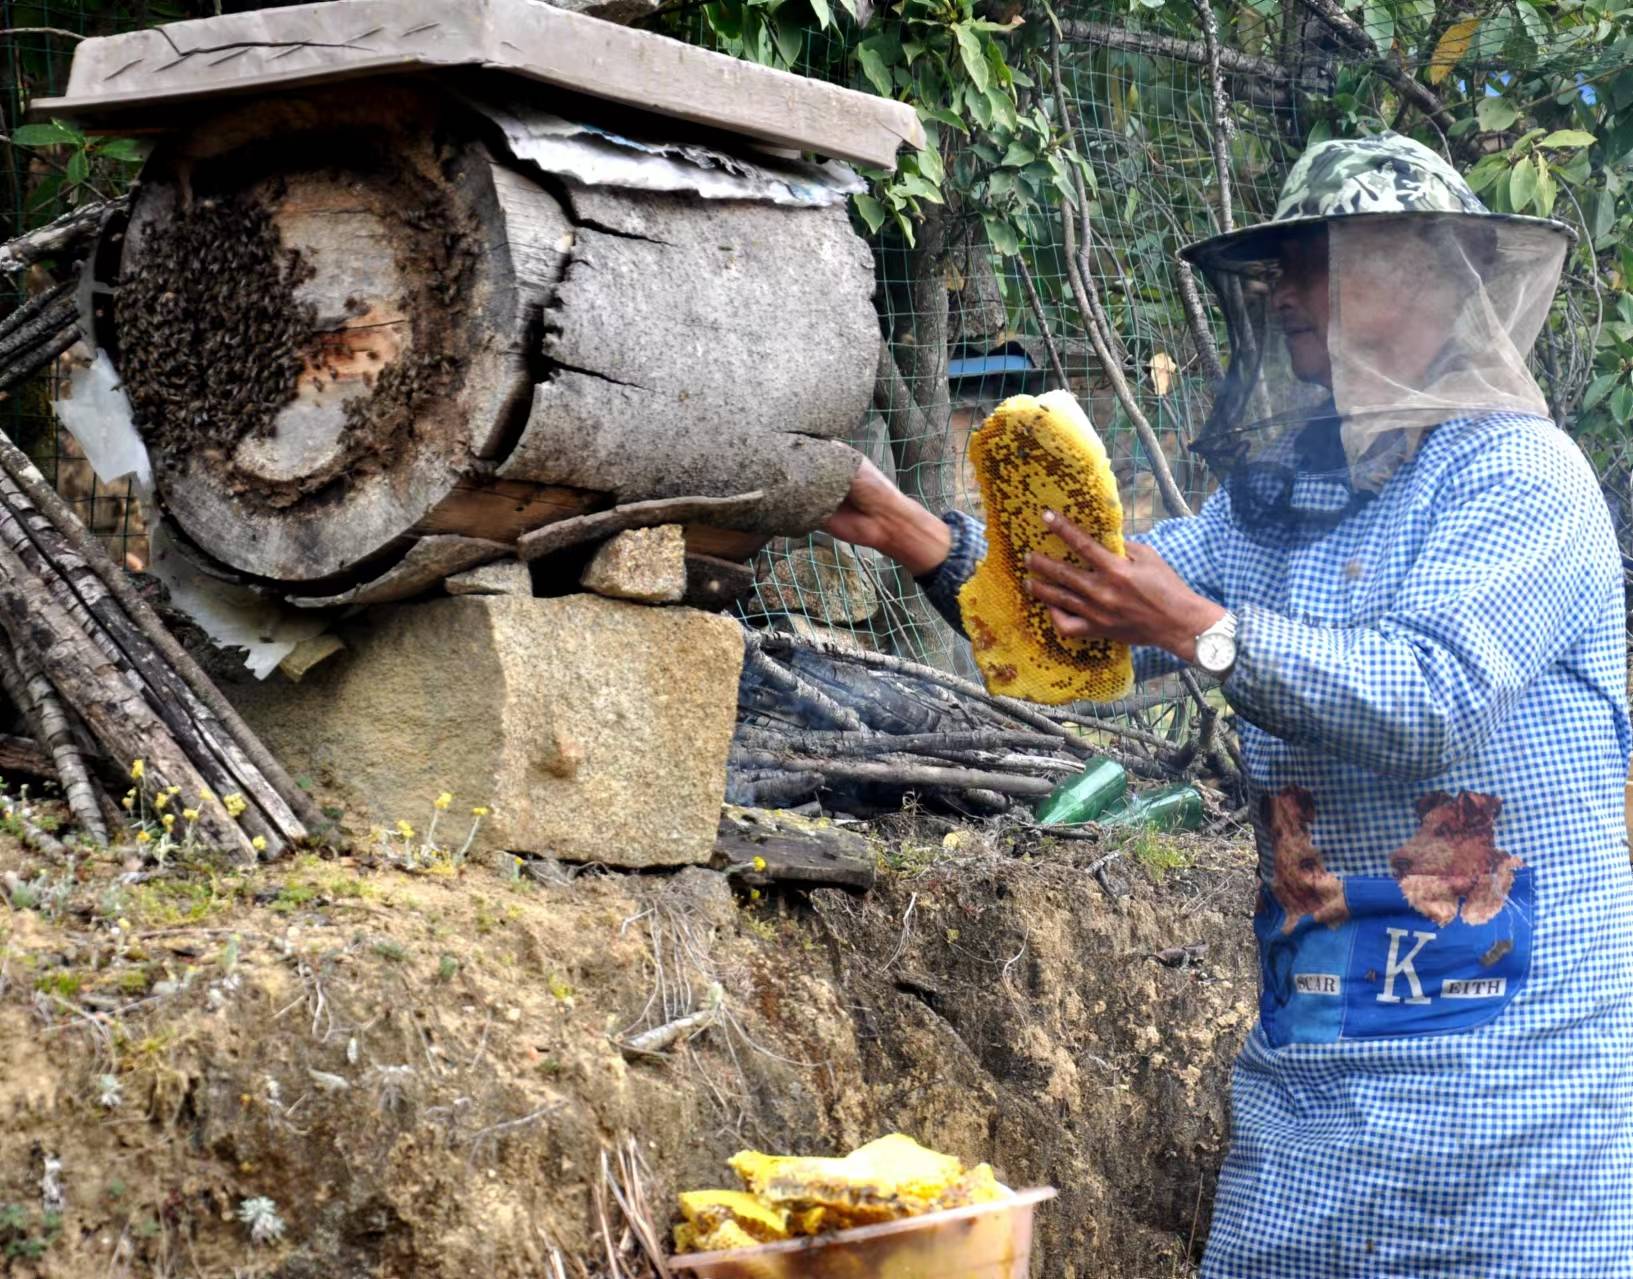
[(1216, 652)]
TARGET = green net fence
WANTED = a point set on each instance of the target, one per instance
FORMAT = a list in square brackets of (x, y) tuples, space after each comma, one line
[(967, 333)]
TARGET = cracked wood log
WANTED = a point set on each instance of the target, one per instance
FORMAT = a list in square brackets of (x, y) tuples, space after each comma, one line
[(351, 319)]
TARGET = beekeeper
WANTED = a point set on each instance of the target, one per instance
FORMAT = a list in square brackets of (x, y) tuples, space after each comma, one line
[(1408, 586)]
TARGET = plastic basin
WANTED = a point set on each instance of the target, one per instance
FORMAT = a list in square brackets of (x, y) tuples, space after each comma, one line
[(984, 1241)]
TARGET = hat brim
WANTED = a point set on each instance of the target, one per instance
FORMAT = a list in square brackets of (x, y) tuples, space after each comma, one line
[(1261, 243)]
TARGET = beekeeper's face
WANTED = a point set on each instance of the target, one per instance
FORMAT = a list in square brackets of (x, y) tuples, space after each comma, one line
[(1300, 300)]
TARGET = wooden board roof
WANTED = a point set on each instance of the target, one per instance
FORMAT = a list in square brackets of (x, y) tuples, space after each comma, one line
[(114, 78)]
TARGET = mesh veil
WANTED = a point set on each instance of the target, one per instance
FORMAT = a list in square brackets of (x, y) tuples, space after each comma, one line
[(1430, 317)]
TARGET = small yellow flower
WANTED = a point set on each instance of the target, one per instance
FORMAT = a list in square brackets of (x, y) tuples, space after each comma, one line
[(129, 802), (405, 830), (161, 801), (443, 800), (258, 843), (754, 894), (169, 820), (191, 814), (131, 793), (172, 790), (137, 769), (479, 811), (142, 837), (376, 834), (206, 795), (759, 863), (234, 804)]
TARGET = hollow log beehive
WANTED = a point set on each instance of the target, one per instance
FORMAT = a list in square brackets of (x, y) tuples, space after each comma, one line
[(369, 342)]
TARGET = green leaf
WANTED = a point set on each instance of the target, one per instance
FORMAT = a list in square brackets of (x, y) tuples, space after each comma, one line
[(1003, 108), (1019, 155), (1621, 403), (1522, 186), (906, 225), (1536, 28), (1486, 172), (789, 33), (1496, 114), (981, 108), (873, 67), (1600, 387), (1001, 183), (1379, 23), (1567, 138), (930, 165), (919, 187), (824, 15), (128, 150), (79, 168), (1603, 219), (943, 116), (973, 55), (40, 135), (1547, 188), (873, 213), (1001, 236)]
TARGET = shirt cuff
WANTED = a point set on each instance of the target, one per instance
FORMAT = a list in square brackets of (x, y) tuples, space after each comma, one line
[(942, 583)]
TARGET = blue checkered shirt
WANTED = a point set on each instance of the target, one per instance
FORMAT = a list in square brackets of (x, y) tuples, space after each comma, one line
[(1464, 632)]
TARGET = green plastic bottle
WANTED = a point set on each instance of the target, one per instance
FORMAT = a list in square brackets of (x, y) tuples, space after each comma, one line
[(1084, 797), (1166, 808)]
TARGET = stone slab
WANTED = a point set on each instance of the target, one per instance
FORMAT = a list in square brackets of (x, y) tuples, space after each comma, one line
[(647, 565), (596, 730), (504, 577)]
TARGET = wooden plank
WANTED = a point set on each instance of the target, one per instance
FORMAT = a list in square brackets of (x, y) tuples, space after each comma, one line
[(502, 510), (793, 849), (259, 51), (427, 563), (723, 543)]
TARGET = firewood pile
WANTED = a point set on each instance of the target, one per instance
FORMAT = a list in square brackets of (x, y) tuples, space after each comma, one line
[(846, 729), (85, 659)]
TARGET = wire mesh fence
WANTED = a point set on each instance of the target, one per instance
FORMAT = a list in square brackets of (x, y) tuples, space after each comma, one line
[(963, 326)]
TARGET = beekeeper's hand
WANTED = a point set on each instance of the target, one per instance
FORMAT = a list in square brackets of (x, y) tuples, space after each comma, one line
[(1137, 600), (876, 513)]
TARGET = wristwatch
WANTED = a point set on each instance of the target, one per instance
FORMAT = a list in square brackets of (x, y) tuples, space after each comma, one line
[(1216, 647)]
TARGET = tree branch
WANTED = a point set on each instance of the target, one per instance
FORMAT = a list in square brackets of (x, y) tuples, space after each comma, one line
[(1355, 36)]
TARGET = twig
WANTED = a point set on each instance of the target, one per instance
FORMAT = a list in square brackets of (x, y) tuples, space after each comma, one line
[(874, 743), (1147, 42), (1222, 129), (63, 233), (1356, 36), (1087, 293), (42, 31), (1009, 706), (907, 776), (1036, 303)]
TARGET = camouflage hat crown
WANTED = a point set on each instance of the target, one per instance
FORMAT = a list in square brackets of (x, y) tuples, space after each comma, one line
[(1385, 174), (1382, 176)]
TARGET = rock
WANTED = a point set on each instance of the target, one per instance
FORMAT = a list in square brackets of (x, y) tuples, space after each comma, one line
[(596, 730), (819, 578), (503, 577), (644, 564), (308, 653)]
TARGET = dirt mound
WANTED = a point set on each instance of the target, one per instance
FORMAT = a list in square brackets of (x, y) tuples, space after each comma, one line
[(330, 1068)]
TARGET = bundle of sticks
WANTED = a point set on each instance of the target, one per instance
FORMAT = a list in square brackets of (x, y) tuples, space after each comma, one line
[(861, 729), (85, 659)]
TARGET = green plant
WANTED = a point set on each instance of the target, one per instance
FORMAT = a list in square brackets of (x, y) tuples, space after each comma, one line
[(81, 164)]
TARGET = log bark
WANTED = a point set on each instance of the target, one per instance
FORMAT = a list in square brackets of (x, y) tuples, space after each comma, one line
[(464, 346)]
